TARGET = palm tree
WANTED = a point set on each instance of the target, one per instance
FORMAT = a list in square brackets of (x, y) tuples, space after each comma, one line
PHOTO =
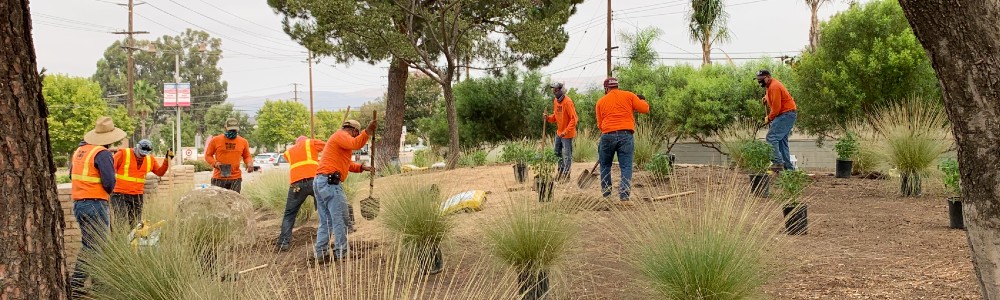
[(640, 45), (814, 24), (146, 101), (708, 25)]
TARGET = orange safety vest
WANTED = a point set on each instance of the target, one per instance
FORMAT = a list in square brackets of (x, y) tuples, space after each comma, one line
[(303, 161), (86, 178), (131, 176)]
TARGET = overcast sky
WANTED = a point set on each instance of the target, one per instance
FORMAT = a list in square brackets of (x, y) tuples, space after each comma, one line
[(259, 59)]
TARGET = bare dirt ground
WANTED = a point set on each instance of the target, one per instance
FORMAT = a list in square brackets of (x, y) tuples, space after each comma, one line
[(864, 242)]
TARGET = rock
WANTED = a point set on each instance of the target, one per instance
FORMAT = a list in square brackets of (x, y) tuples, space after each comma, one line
[(222, 214)]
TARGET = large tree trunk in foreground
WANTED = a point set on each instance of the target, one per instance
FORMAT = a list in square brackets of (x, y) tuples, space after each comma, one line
[(31, 224), (395, 107), (963, 40)]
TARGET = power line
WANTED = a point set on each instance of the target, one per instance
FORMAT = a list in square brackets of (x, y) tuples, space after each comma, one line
[(42, 22), (252, 45), (684, 11), (170, 29), (256, 35), (237, 16), (73, 21)]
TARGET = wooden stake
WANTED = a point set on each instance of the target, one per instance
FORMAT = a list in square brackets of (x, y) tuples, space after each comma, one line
[(665, 197)]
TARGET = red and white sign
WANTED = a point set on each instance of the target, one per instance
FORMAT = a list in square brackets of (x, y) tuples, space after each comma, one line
[(189, 153), (176, 94)]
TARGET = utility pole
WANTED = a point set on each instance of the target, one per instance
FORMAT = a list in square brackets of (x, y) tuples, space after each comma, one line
[(609, 39), (312, 116), (295, 92), (129, 47)]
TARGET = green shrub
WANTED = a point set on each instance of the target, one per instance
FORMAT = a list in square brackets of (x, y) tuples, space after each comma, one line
[(735, 136), (60, 160), (517, 152), (199, 165), (585, 146), (425, 158), (544, 164), (952, 177), (660, 166), (790, 186), (473, 158), (63, 179), (755, 156), (846, 146)]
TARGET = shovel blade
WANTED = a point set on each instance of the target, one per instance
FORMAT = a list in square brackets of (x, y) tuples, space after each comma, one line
[(586, 178), (369, 208)]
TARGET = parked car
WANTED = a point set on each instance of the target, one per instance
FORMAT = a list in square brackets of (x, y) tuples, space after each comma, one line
[(268, 159)]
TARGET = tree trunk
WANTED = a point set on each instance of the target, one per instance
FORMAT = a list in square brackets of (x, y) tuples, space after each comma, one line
[(31, 237), (962, 41), (706, 51), (453, 149), (395, 108), (814, 26)]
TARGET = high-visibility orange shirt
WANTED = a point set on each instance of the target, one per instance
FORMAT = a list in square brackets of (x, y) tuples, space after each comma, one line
[(303, 159), (228, 151), (337, 153), (86, 179), (778, 99), (564, 115), (130, 173), (614, 110)]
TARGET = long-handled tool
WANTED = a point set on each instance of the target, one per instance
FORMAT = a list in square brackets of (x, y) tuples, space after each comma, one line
[(236, 276), (545, 122), (370, 205)]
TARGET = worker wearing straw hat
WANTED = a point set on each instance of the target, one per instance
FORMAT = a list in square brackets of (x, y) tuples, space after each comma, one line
[(92, 175), (331, 201)]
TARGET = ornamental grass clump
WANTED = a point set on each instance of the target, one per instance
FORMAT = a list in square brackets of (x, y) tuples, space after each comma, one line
[(647, 142), (912, 135), (533, 243), (412, 213), (269, 191), (585, 145)]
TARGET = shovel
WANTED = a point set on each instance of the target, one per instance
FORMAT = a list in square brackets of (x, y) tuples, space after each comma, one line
[(587, 177), (370, 205), (236, 276)]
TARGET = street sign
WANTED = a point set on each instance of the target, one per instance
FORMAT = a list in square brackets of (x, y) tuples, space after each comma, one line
[(189, 153), (176, 94)]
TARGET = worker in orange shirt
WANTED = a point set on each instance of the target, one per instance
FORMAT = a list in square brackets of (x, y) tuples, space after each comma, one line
[(131, 167), (303, 160), (331, 201), (781, 116), (564, 115), (224, 155), (617, 125), (92, 174)]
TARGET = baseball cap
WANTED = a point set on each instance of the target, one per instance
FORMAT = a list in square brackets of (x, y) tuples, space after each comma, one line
[(763, 73), (556, 85), (232, 124), (353, 124), (611, 82)]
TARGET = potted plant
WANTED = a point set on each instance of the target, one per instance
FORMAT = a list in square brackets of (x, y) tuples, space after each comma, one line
[(520, 155), (544, 166), (533, 243), (952, 181), (790, 186), (755, 157), (847, 148)]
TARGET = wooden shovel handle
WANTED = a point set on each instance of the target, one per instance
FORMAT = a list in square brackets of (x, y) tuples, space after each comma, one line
[(371, 156)]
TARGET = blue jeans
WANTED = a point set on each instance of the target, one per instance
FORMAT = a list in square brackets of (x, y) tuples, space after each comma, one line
[(331, 202), (777, 136), (622, 144), (297, 194), (564, 149), (95, 223)]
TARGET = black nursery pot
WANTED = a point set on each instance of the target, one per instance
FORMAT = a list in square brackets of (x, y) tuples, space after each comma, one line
[(760, 184), (533, 285), (434, 263), (955, 219), (520, 172), (844, 168), (796, 219), (544, 188)]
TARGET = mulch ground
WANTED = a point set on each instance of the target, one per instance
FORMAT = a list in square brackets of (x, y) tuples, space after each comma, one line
[(864, 242)]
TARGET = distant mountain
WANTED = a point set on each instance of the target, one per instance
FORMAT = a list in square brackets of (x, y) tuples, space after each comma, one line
[(323, 100)]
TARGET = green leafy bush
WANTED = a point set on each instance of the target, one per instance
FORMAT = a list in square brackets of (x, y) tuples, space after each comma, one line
[(63, 179), (660, 166), (199, 165), (847, 146), (517, 152), (473, 158), (755, 156), (790, 186), (952, 177), (60, 160), (544, 164)]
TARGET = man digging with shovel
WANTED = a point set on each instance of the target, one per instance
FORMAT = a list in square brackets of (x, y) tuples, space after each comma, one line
[(617, 125), (304, 161), (331, 201)]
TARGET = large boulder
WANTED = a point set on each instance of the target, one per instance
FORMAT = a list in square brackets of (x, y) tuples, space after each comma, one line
[(216, 216)]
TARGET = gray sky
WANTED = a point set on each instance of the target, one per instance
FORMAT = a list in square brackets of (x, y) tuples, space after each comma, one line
[(259, 59)]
